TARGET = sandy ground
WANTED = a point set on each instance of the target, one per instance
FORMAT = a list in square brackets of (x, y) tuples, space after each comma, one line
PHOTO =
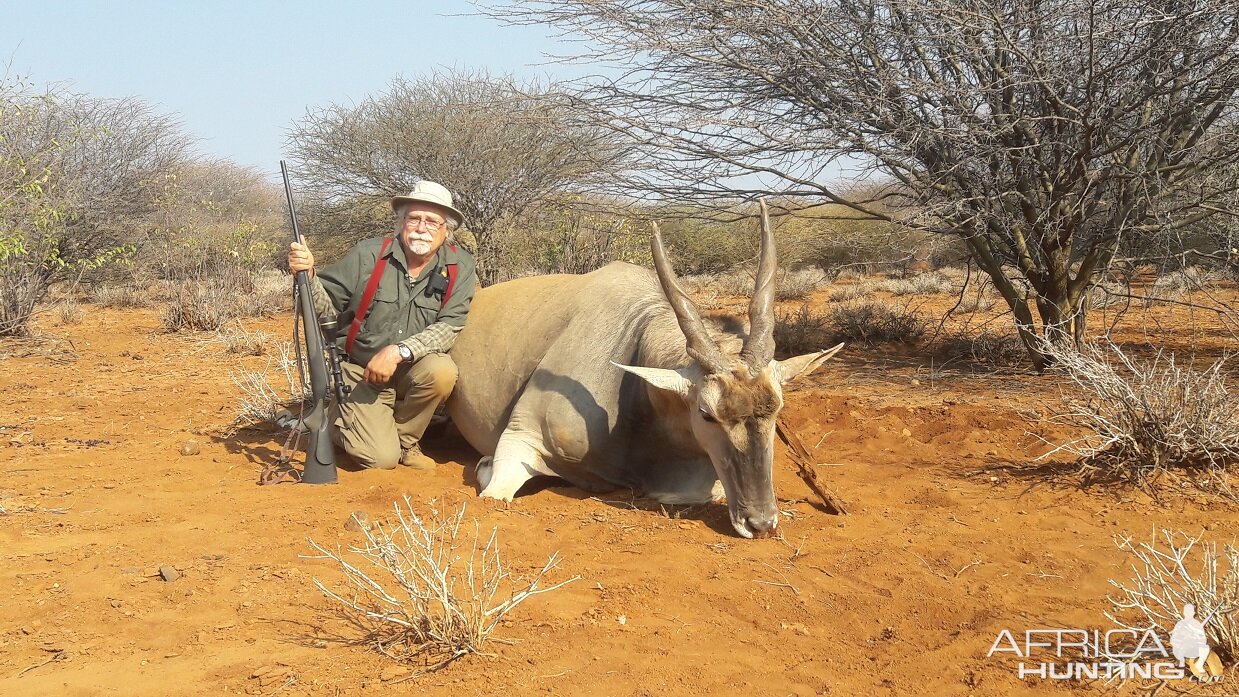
[(944, 546)]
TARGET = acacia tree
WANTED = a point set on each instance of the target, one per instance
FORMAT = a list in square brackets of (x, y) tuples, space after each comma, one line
[(1040, 132), (78, 177), (500, 147)]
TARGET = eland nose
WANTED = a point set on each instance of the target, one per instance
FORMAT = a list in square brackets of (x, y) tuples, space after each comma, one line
[(762, 525)]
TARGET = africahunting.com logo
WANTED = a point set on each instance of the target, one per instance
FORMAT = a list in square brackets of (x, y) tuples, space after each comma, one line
[(1121, 653)]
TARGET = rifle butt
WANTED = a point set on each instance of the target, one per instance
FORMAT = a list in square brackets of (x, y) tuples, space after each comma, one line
[(320, 457)]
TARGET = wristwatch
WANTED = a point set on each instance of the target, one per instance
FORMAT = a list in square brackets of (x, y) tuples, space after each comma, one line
[(406, 353)]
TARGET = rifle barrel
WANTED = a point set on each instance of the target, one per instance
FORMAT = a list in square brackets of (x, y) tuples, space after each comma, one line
[(320, 457)]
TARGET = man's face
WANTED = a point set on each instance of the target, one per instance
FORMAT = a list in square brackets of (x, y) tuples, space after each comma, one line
[(424, 229)]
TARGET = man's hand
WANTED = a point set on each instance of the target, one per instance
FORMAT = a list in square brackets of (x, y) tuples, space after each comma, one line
[(380, 368), (300, 258)]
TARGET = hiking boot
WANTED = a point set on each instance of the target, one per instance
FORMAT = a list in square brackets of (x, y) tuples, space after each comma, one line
[(414, 458)]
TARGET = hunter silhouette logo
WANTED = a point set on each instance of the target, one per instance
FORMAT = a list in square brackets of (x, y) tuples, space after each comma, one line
[(1190, 645), (1119, 652)]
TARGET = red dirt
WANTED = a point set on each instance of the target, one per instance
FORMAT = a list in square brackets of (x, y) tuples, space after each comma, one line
[(904, 596)]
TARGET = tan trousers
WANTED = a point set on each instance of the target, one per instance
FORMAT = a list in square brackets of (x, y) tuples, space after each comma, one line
[(376, 423)]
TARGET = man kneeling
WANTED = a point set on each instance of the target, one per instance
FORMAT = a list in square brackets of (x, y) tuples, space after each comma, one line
[(410, 297)]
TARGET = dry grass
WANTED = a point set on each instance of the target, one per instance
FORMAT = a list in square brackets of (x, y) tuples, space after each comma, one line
[(1176, 285), (239, 340), (260, 400), (954, 274), (975, 301), (1143, 419), (696, 284), (733, 284), (797, 285), (1181, 282), (924, 284), (1174, 571), (789, 285), (122, 297), (429, 590)]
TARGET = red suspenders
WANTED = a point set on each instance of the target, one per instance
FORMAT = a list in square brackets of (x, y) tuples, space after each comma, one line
[(451, 279), (372, 286)]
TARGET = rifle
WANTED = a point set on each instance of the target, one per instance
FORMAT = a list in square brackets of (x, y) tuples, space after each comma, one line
[(320, 456)]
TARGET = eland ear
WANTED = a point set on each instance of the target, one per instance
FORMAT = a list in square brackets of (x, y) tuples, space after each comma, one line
[(662, 378), (793, 368)]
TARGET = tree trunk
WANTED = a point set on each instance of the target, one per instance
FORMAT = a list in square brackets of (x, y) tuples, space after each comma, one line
[(1058, 316), (1024, 323)]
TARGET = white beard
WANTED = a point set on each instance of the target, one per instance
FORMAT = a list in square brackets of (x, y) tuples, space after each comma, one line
[(419, 247)]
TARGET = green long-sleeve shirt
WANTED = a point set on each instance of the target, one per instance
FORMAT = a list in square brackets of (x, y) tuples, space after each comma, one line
[(401, 312)]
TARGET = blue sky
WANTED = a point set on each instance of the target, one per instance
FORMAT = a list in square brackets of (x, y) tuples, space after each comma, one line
[(239, 73)]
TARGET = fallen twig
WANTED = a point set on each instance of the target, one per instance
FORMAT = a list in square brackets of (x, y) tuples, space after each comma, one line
[(965, 567), (804, 467), (58, 656)]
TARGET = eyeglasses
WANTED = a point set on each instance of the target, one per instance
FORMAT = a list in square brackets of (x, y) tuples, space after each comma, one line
[(430, 225)]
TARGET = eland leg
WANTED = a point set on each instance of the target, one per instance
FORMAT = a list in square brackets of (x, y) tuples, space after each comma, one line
[(516, 461)]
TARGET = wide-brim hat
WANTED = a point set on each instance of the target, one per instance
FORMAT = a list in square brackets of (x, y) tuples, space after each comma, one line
[(426, 191)]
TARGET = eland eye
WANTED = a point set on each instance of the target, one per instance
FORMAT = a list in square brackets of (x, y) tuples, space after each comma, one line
[(707, 416)]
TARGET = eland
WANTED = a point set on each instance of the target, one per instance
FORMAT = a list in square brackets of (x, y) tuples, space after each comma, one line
[(612, 379)]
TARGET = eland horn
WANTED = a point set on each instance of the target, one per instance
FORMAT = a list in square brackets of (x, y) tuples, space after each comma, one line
[(758, 348), (700, 346)]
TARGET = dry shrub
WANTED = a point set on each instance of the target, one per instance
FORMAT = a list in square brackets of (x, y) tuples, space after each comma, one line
[(1180, 282), (732, 284), (260, 400), (872, 323), (429, 591), (201, 305), (954, 274), (210, 302), (1181, 570), (847, 293), (975, 302), (924, 284), (273, 292), (696, 284), (981, 281), (1146, 418), (789, 285), (1106, 294), (986, 348), (70, 312), (735, 284), (850, 273), (800, 331), (1177, 284), (122, 297), (795, 285), (239, 340)]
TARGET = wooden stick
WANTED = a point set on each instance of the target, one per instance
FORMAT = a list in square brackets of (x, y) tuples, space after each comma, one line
[(804, 467)]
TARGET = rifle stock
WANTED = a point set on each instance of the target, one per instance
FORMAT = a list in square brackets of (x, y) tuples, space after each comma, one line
[(320, 456)]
